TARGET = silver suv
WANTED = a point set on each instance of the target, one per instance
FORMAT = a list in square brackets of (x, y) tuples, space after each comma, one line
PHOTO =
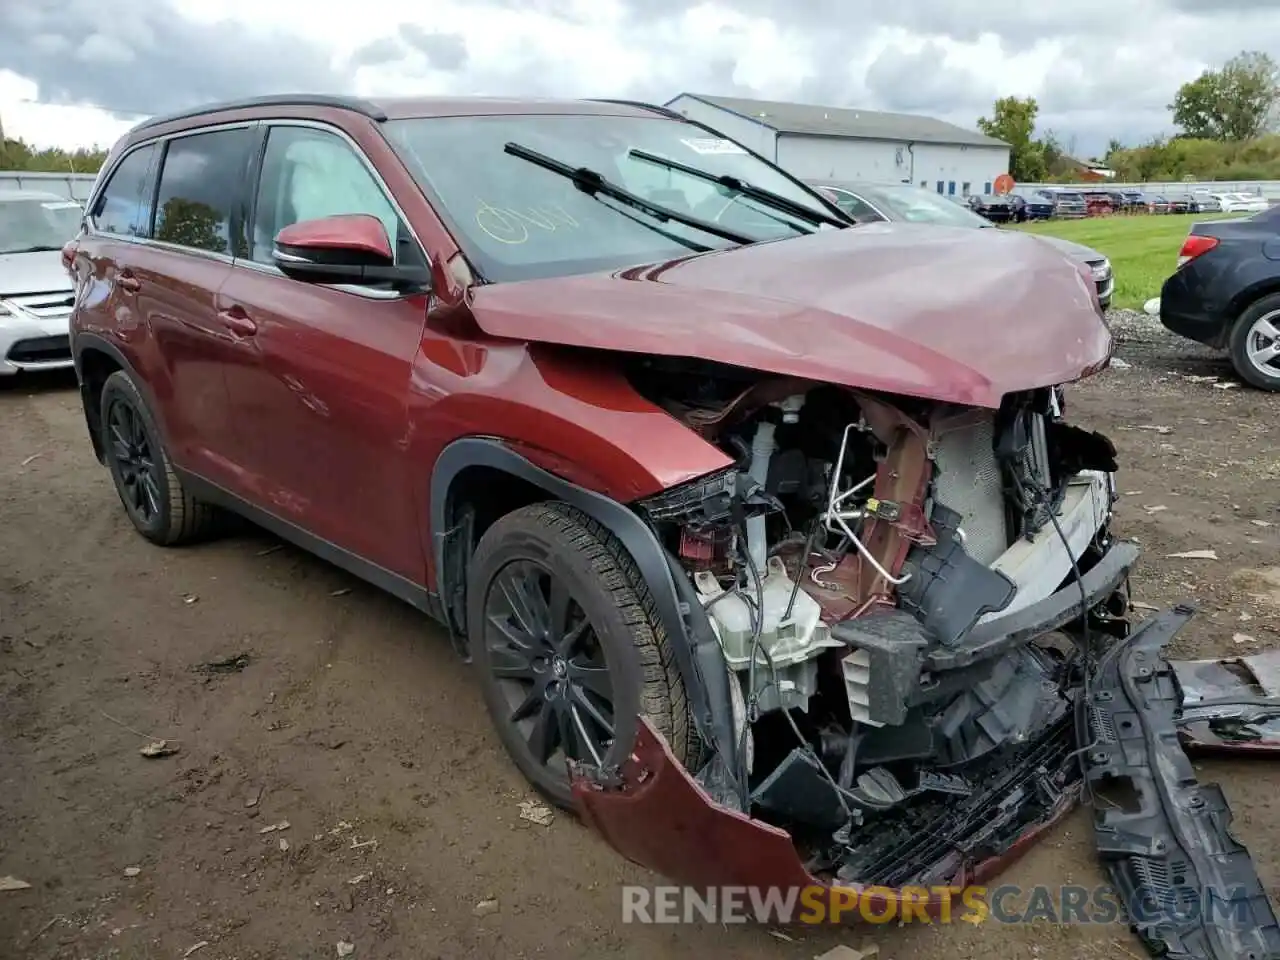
[(35, 289)]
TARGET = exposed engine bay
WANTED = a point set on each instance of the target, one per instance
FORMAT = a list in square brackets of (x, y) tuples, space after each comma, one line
[(894, 586)]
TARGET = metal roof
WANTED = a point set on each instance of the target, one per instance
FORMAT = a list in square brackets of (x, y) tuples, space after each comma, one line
[(802, 118)]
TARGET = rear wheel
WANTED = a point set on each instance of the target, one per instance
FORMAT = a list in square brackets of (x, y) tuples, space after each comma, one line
[(570, 651), (158, 505), (1254, 345)]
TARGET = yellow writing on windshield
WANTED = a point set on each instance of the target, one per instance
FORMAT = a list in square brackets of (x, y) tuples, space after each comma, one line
[(511, 224)]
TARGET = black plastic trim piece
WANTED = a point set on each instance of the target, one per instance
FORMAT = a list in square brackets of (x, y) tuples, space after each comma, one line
[(393, 583), (995, 637), (685, 621), (355, 104), (1188, 886)]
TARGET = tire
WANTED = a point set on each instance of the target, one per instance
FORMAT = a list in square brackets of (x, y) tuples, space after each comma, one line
[(154, 499), (535, 548), (1243, 335)]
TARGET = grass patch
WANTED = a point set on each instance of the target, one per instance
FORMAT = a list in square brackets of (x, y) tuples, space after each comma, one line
[(1143, 249)]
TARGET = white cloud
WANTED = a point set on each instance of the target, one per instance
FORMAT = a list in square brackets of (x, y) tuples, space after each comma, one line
[(948, 58), (67, 127)]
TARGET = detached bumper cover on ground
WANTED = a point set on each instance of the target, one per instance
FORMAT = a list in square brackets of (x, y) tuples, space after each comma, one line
[(1188, 886)]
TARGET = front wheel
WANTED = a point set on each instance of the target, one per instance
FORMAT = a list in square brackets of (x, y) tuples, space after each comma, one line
[(569, 648), (1254, 345)]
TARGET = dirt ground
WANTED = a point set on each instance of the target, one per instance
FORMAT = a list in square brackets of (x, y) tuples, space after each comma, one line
[(353, 721)]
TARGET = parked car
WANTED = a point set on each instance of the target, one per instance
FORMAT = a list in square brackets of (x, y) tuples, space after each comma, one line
[(1226, 293), (660, 436), (1242, 203), (1158, 203), (1131, 201), (1179, 203), (1069, 203), (1205, 203), (1099, 203), (902, 202), (1033, 207), (997, 208), (35, 292)]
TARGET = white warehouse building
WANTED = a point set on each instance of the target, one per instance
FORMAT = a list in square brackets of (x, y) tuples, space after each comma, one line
[(836, 143)]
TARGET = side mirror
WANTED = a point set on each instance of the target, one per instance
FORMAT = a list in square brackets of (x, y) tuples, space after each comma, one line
[(350, 248)]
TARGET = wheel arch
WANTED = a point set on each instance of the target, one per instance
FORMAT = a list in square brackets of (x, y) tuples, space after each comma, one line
[(1249, 296), (520, 482), (96, 358)]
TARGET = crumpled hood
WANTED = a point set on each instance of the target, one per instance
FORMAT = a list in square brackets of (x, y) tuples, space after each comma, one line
[(40, 272), (951, 314)]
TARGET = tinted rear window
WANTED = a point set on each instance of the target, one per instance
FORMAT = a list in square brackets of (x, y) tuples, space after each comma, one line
[(201, 196), (124, 207)]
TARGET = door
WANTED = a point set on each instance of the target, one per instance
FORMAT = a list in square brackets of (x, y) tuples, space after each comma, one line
[(105, 284), (319, 387), (198, 231)]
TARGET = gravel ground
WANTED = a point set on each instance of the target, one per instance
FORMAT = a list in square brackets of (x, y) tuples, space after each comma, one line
[(349, 718)]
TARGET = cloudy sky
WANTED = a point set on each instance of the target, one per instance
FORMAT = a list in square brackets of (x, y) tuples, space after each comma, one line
[(79, 72)]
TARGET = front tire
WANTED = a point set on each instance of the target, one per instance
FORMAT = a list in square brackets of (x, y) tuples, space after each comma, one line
[(154, 498), (1254, 345), (569, 647)]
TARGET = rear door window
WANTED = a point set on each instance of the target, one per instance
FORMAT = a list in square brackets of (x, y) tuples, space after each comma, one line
[(124, 206), (201, 199)]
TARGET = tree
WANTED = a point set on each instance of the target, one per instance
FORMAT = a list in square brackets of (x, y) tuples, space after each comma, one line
[(1013, 120), (20, 155), (1237, 102)]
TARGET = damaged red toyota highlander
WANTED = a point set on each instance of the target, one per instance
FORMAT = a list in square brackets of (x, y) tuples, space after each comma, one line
[(757, 525)]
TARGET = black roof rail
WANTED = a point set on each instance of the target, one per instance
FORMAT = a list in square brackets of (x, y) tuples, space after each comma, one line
[(665, 111), (356, 104)]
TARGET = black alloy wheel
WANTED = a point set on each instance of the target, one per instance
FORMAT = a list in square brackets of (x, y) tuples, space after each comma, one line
[(542, 649), (132, 451)]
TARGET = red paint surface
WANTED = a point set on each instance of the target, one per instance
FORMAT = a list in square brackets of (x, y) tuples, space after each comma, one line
[(662, 819), (354, 231), (924, 311)]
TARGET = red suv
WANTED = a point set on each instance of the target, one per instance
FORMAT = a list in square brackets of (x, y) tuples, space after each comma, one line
[(736, 506)]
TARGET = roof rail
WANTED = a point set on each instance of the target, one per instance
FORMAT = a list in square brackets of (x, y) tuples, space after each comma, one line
[(665, 111), (356, 104)]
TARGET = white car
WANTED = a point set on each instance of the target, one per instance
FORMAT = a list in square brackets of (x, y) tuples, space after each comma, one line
[(1242, 203), (35, 289)]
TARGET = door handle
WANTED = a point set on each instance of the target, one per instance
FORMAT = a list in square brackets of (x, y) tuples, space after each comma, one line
[(238, 322), (129, 283)]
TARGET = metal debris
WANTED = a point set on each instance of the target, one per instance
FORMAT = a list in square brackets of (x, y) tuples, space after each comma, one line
[(1155, 429), (1119, 364), (273, 827), (340, 593), (1262, 523), (284, 845), (1243, 638), (132, 871), (160, 748), (1157, 508), (254, 795), (233, 664), (1194, 555), (194, 947), (485, 907), (346, 949), (536, 812), (13, 883)]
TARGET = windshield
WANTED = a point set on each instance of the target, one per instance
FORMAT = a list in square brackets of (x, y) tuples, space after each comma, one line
[(28, 225), (516, 220), (1071, 197), (921, 206)]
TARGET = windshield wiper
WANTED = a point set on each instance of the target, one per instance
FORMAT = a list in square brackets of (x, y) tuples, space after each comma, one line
[(759, 194), (593, 184), (35, 248)]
